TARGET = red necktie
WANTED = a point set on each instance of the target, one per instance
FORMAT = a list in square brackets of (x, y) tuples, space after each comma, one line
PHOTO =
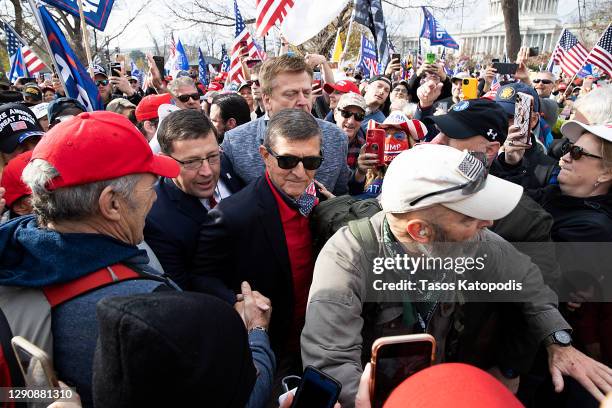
[(212, 202)]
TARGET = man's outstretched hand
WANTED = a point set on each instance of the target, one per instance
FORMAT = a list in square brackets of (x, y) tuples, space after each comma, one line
[(594, 376)]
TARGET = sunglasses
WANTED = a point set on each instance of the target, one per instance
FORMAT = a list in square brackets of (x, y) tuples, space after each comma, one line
[(576, 152), (289, 162), (253, 82), (102, 82), (347, 114), (544, 81), (474, 159), (185, 98)]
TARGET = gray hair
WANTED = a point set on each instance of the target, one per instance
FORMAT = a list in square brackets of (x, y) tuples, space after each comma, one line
[(596, 105), (175, 84), (552, 75), (73, 202), (291, 124)]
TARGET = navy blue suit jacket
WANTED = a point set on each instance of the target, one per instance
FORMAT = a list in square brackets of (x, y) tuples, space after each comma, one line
[(173, 225)]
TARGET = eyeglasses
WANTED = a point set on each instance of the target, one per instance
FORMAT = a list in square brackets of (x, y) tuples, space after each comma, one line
[(255, 82), (347, 114), (195, 164), (400, 90), (544, 81), (102, 82), (576, 152), (185, 98), (288, 162), (475, 160)]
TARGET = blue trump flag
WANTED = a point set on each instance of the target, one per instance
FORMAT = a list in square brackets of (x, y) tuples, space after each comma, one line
[(18, 67), (367, 58), (202, 68), (79, 84), (181, 63), (96, 12), (225, 60), (436, 34)]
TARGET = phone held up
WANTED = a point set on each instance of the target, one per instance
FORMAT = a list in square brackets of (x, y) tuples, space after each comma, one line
[(430, 58), (34, 363), (396, 358), (375, 138), (469, 86), (316, 389), (523, 106)]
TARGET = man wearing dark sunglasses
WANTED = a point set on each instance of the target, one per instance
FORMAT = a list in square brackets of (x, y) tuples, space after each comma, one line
[(261, 233), (185, 93), (349, 114), (286, 83), (544, 84)]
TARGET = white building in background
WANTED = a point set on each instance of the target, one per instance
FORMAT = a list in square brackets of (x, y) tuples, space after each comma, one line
[(539, 27)]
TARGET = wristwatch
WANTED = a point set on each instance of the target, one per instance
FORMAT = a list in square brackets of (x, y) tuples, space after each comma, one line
[(263, 329), (561, 338)]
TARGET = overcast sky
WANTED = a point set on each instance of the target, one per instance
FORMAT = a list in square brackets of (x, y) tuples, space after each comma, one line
[(136, 35)]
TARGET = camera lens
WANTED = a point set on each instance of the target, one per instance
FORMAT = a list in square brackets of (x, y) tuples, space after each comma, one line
[(466, 82)]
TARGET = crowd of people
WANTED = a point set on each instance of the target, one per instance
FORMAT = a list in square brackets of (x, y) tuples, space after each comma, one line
[(178, 248)]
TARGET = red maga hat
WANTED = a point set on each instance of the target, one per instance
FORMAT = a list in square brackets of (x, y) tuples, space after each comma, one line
[(343, 86), (11, 178), (96, 146), (147, 108)]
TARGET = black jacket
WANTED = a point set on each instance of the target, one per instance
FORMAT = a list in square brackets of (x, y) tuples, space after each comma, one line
[(243, 240), (173, 225)]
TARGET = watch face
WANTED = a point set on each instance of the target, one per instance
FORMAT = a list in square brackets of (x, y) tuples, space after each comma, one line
[(563, 337)]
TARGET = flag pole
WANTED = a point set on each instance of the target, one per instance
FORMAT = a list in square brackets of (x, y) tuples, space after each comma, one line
[(348, 37), (85, 38), (58, 71)]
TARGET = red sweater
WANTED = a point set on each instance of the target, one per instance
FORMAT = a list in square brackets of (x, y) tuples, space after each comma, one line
[(299, 246)]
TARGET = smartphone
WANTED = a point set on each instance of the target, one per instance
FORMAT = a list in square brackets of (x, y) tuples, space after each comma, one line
[(115, 69), (316, 389), (534, 51), (430, 58), (505, 68), (316, 87), (375, 138), (316, 75), (34, 363), (495, 60), (396, 57), (469, 86), (159, 63), (522, 115), (396, 358)]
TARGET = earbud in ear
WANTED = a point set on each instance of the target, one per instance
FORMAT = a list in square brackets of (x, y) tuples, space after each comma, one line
[(422, 233)]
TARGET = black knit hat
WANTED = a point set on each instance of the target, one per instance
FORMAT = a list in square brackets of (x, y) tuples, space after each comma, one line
[(171, 349)]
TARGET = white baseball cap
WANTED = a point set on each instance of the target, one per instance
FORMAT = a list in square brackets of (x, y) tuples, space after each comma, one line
[(573, 129), (427, 169)]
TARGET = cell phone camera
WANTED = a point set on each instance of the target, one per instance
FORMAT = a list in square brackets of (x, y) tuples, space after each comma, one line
[(466, 81), (375, 147)]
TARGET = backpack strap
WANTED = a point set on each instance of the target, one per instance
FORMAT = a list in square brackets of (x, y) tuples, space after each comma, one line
[(363, 231), (63, 292)]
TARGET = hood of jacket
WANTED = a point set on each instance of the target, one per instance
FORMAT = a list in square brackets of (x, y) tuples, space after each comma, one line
[(34, 257)]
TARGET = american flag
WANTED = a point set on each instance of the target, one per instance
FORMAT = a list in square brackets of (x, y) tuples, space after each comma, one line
[(270, 12), (601, 54), (33, 64), (242, 37), (569, 54)]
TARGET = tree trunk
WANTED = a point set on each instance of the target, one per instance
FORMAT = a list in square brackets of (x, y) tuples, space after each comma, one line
[(510, 8)]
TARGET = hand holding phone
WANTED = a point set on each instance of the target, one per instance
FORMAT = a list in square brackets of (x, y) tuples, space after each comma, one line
[(469, 87), (396, 358), (505, 68), (375, 139), (523, 107), (316, 389), (34, 363)]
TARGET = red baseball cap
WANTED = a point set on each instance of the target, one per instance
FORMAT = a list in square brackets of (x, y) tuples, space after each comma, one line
[(11, 178), (342, 86), (96, 146), (215, 86), (147, 108), (451, 385)]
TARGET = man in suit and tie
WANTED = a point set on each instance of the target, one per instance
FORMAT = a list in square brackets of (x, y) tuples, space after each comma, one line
[(261, 234), (173, 224)]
